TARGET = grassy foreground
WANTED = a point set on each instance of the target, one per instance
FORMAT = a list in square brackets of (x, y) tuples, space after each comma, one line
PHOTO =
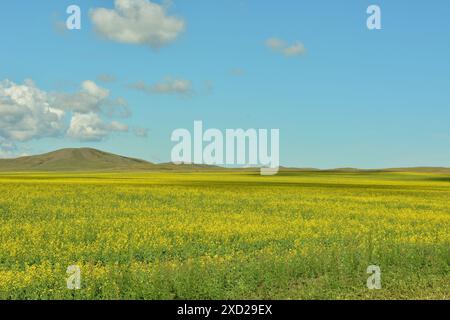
[(225, 235)]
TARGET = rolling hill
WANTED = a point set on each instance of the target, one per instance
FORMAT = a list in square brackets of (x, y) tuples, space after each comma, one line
[(83, 159), (88, 159)]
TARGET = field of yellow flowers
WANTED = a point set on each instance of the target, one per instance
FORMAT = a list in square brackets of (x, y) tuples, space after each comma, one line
[(224, 235)]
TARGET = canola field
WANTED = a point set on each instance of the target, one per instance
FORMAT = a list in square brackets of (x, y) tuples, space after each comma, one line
[(224, 235)]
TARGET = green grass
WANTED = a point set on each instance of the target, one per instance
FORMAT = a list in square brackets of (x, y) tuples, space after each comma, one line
[(308, 235)]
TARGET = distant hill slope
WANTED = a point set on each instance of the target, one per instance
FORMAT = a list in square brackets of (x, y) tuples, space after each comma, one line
[(421, 170), (441, 170), (437, 170), (87, 159), (84, 159)]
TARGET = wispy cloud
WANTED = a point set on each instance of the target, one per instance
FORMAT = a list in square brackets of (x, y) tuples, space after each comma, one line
[(237, 72), (167, 86), (289, 50), (141, 132), (106, 78)]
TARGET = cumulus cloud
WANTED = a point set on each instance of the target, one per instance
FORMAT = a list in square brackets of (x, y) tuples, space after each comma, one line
[(27, 112), (92, 98), (88, 99), (117, 108), (90, 127), (139, 22), (167, 86), (281, 46)]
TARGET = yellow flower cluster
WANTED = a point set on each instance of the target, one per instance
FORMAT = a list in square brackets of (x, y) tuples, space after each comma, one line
[(224, 235)]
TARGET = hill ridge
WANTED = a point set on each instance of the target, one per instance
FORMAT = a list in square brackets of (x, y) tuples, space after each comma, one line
[(73, 159), (91, 159)]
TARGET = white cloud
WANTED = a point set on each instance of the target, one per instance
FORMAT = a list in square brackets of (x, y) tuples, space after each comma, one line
[(89, 87), (26, 112), (90, 98), (117, 126), (280, 46), (168, 86), (137, 22), (90, 127), (116, 108)]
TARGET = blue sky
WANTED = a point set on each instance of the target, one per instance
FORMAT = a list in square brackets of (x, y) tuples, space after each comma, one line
[(356, 97)]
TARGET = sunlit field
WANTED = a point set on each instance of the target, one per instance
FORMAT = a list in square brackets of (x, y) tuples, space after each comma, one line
[(225, 235)]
